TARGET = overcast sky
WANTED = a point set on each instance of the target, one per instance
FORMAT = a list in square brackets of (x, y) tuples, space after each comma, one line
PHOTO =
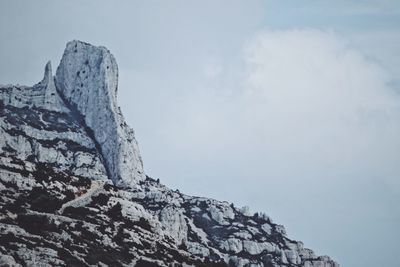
[(290, 106)]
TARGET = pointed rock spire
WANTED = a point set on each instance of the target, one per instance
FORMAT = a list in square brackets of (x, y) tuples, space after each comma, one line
[(48, 74), (87, 79), (50, 100)]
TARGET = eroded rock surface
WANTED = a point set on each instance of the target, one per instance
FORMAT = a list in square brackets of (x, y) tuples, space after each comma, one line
[(73, 191), (87, 79)]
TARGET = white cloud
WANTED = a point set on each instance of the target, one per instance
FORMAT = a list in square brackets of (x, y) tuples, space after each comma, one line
[(311, 85), (304, 98), (212, 67)]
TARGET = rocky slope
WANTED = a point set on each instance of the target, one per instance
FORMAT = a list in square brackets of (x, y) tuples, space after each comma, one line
[(73, 191)]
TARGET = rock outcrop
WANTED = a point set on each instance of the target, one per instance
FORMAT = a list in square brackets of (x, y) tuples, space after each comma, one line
[(87, 79), (36, 127), (73, 191)]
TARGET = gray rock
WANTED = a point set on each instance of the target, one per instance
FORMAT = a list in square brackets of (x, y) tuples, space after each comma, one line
[(8, 261), (87, 79)]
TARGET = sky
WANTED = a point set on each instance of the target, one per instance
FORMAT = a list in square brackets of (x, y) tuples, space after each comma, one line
[(290, 107)]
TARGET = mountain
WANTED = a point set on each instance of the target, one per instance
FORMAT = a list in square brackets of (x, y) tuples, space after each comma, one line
[(73, 191)]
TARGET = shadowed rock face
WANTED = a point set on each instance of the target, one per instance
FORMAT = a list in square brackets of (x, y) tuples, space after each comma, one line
[(87, 79), (73, 192)]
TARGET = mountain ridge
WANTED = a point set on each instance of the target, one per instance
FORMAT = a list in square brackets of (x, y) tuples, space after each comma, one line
[(74, 192)]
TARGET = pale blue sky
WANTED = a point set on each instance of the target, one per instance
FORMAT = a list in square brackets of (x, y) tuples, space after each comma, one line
[(289, 107)]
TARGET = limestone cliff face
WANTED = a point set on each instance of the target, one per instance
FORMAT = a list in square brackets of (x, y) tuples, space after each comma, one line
[(87, 79), (73, 191)]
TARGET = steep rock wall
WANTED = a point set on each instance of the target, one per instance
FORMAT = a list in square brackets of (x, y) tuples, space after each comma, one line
[(87, 79)]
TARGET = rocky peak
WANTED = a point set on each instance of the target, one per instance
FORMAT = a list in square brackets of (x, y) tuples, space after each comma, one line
[(48, 76), (50, 99), (62, 140), (87, 80)]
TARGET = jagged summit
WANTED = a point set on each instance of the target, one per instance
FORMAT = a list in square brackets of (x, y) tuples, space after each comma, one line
[(87, 80), (48, 75), (73, 191), (86, 85)]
